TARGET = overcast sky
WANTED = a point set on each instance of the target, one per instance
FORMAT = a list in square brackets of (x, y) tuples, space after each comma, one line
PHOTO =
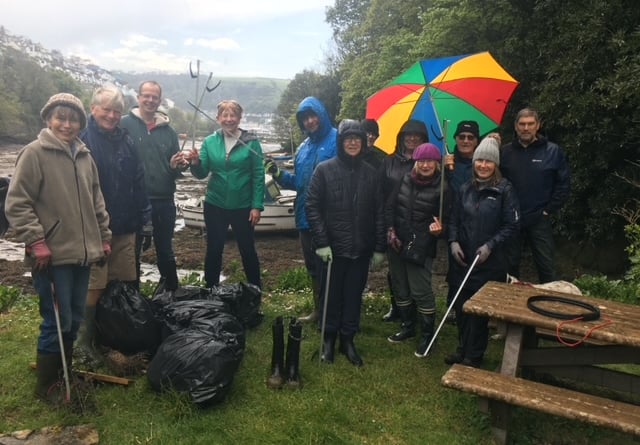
[(245, 38)]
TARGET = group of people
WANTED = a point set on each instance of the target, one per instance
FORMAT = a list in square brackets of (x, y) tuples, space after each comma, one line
[(356, 205), (87, 196), (91, 193)]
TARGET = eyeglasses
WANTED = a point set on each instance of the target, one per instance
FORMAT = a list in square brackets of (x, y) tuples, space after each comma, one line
[(468, 137), (352, 138)]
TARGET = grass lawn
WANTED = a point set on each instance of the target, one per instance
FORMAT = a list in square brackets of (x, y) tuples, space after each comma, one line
[(395, 398)]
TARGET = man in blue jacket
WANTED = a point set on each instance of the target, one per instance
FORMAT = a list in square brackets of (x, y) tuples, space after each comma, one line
[(539, 171), (320, 145), (122, 183)]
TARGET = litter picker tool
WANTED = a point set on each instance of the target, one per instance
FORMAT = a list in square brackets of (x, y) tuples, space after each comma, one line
[(453, 302), (199, 97), (324, 308), (56, 311)]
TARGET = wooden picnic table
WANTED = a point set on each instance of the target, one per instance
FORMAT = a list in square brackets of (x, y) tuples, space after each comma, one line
[(533, 349)]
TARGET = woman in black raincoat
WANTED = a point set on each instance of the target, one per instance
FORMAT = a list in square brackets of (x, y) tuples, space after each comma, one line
[(485, 215)]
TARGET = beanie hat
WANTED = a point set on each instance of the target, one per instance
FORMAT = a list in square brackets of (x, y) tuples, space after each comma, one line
[(468, 127), (370, 126), (488, 150), (426, 151), (65, 100)]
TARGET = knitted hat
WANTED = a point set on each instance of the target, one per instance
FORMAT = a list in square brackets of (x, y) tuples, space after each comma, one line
[(426, 151), (468, 127), (65, 100), (488, 150), (370, 126)]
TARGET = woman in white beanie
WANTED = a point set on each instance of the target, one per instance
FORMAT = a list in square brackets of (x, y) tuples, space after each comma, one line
[(55, 206), (485, 215)]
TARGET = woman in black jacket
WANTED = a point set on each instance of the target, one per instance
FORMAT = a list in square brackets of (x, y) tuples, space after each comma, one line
[(345, 213), (412, 215), (485, 216)]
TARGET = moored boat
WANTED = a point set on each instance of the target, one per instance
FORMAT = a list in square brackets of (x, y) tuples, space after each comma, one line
[(278, 213)]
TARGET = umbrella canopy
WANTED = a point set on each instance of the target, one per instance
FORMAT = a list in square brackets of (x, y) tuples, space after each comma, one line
[(467, 87)]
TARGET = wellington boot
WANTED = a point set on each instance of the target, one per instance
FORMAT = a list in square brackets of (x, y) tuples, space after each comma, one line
[(349, 349), (276, 379), (48, 372), (394, 313), (315, 314), (292, 364), (407, 327), (86, 350), (427, 323), (328, 347)]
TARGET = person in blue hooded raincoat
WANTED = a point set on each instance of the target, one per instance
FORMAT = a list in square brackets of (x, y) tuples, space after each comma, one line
[(320, 145)]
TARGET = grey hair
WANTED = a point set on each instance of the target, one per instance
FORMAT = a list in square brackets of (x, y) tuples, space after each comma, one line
[(109, 95), (527, 112)]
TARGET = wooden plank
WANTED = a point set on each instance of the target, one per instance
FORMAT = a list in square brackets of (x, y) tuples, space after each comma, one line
[(508, 302), (106, 378), (545, 398)]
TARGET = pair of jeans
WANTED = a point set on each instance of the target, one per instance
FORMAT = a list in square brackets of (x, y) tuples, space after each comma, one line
[(163, 218), (217, 221), (539, 237), (70, 284), (312, 262)]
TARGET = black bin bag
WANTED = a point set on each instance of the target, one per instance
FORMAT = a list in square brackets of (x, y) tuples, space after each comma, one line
[(243, 299), (197, 362), (125, 320)]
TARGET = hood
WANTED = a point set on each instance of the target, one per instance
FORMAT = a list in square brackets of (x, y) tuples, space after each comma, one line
[(160, 117), (350, 127), (313, 104), (411, 126)]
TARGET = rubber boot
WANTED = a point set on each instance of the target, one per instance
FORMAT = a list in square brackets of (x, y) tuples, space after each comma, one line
[(427, 323), (315, 314), (276, 379), (171, 283), (293, 355), (86, 343), (349, 349), (394, 313), (328, 347), (408, 325), (48, 370)]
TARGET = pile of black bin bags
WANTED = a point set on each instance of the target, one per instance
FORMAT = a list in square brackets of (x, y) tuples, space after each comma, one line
[(195, 335)]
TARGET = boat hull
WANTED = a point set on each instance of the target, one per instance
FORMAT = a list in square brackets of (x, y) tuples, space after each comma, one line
[(277, 216)]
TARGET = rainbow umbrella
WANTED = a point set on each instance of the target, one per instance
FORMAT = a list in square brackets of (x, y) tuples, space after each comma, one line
[(449, 89)]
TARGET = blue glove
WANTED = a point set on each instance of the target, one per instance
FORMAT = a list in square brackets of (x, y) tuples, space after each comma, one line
[(483, 252), (324, 253), (377, 260), (147, 236), (271, 167)]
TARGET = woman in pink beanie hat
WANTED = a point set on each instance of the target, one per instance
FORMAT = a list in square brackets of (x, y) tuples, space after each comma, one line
[(413, 221)]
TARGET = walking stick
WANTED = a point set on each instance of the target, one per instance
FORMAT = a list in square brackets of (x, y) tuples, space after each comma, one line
[(324, 308), (444, 318)]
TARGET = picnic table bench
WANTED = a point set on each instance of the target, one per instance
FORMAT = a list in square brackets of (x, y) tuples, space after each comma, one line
[(613, 338)]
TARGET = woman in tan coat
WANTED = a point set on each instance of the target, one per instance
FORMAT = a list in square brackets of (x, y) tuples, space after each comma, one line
[(55, 206)]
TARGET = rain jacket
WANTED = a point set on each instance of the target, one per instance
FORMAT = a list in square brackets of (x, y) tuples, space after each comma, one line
[(121, 177), (395, 166), (317, 147), (410, 210), (55, 195), (462, 172), (489, 216), (344, 206), (156, 147), (237, 180), (540, 175)]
